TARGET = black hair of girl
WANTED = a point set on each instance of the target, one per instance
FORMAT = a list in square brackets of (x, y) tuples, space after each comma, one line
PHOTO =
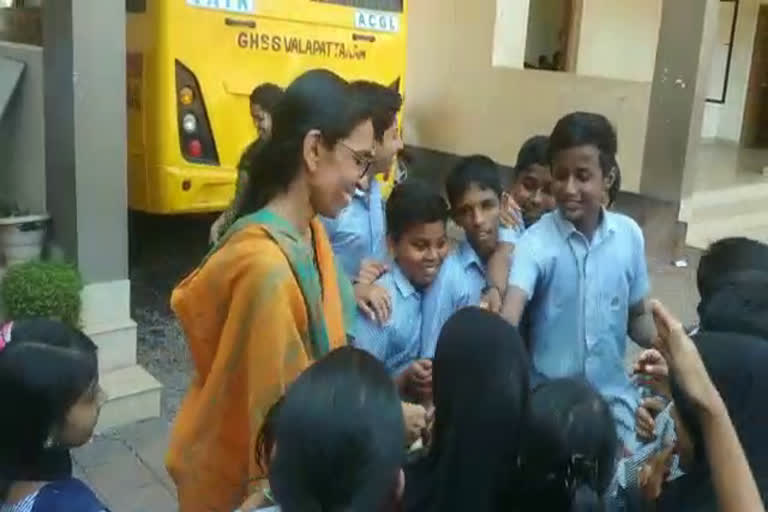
[(267, 96), (586, 129), (480, 386), (570, 450), (339, 437), (44, 370), (317, 100)]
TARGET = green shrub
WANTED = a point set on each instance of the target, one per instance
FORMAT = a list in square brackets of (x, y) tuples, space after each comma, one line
[(44, 289)]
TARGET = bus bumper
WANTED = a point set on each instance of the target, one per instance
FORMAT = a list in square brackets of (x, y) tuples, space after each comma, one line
[(173, 190)]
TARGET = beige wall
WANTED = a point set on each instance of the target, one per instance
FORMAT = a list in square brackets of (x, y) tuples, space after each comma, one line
[(619, 39), (457, 102)]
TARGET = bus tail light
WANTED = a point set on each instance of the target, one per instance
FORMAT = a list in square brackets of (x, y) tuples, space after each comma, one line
[(195, 134)]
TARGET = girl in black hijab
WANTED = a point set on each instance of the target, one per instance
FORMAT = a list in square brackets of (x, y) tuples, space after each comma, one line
[(736, 364), (480, 383)]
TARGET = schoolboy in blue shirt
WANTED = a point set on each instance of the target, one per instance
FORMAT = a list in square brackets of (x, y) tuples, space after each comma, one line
[(582, 272), (358, 233), (474, 192), (416, 218)]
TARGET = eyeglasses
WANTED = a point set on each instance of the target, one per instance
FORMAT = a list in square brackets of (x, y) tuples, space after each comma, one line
[(363, 160)]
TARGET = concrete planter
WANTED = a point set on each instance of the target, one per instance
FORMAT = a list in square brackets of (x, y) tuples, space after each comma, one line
[(22, 238)]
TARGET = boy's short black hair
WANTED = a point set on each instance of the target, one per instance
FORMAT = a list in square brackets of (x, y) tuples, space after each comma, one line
[(411, 203), (534, 151), (267, 96), (384, 104), (613, 190), (727, 256), (472, 170), (586, 129)]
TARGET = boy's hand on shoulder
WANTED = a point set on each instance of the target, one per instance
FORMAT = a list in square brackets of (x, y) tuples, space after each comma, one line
[(374, 301), (419, 377), (370, 271), (492, 300), (511, 213)]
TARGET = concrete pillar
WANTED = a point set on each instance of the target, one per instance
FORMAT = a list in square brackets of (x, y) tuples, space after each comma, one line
[(688, 29), (85, 131), (84, 56)]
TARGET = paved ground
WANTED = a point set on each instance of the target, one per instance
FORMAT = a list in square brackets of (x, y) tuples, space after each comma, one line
[(125, 466)]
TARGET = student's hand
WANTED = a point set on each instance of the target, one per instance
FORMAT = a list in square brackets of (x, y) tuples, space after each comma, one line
[(511, 214), (653, 371), (415, 417), (653, 474), (419, 379), (492, 300), (645, 415), (684, 361), (370, 271), (374, 301)]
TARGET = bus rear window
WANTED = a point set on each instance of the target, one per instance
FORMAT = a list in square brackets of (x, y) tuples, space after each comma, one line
[(377, 5)]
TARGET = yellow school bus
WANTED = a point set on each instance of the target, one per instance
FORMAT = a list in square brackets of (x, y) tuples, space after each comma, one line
[(192, 64)]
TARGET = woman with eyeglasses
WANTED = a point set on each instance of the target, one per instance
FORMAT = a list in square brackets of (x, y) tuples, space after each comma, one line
[(269, 299)]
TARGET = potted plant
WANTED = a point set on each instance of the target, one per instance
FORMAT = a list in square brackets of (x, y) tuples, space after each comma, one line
[(42, 289), (21, 234)]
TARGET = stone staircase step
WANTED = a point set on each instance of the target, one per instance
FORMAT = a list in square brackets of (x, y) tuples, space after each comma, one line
[(132, 395), (117, 344)]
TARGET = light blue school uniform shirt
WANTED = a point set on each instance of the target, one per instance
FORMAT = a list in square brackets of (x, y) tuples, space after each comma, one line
[(397, 342), (579, 297), (459, 284), (359, 231)]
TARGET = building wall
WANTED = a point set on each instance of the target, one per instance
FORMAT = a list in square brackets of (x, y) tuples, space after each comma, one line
[(724, 121), (22, 133), (458, 102), (619, 39)]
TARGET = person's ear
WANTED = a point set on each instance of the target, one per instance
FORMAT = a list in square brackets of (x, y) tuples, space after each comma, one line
[(312, 149), (610, 178)]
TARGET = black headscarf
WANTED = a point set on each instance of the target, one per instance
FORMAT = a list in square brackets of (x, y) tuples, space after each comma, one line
[(480, 382), (737, 366)]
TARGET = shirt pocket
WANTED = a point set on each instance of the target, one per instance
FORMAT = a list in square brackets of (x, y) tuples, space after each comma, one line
[(614, 300)]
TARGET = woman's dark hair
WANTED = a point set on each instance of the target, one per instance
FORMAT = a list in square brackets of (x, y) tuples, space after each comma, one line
[(480, 388), (726, 256), (476, 170), (569, 453), (339, 437), (534, 151), (267, 96), (383, 104), (411, 203), (586, 129), (44, 370), (265, 439), (316, 100)]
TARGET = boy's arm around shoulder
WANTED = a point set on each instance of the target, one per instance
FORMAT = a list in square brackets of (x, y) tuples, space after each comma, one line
[(640, 325), (523, 275)]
